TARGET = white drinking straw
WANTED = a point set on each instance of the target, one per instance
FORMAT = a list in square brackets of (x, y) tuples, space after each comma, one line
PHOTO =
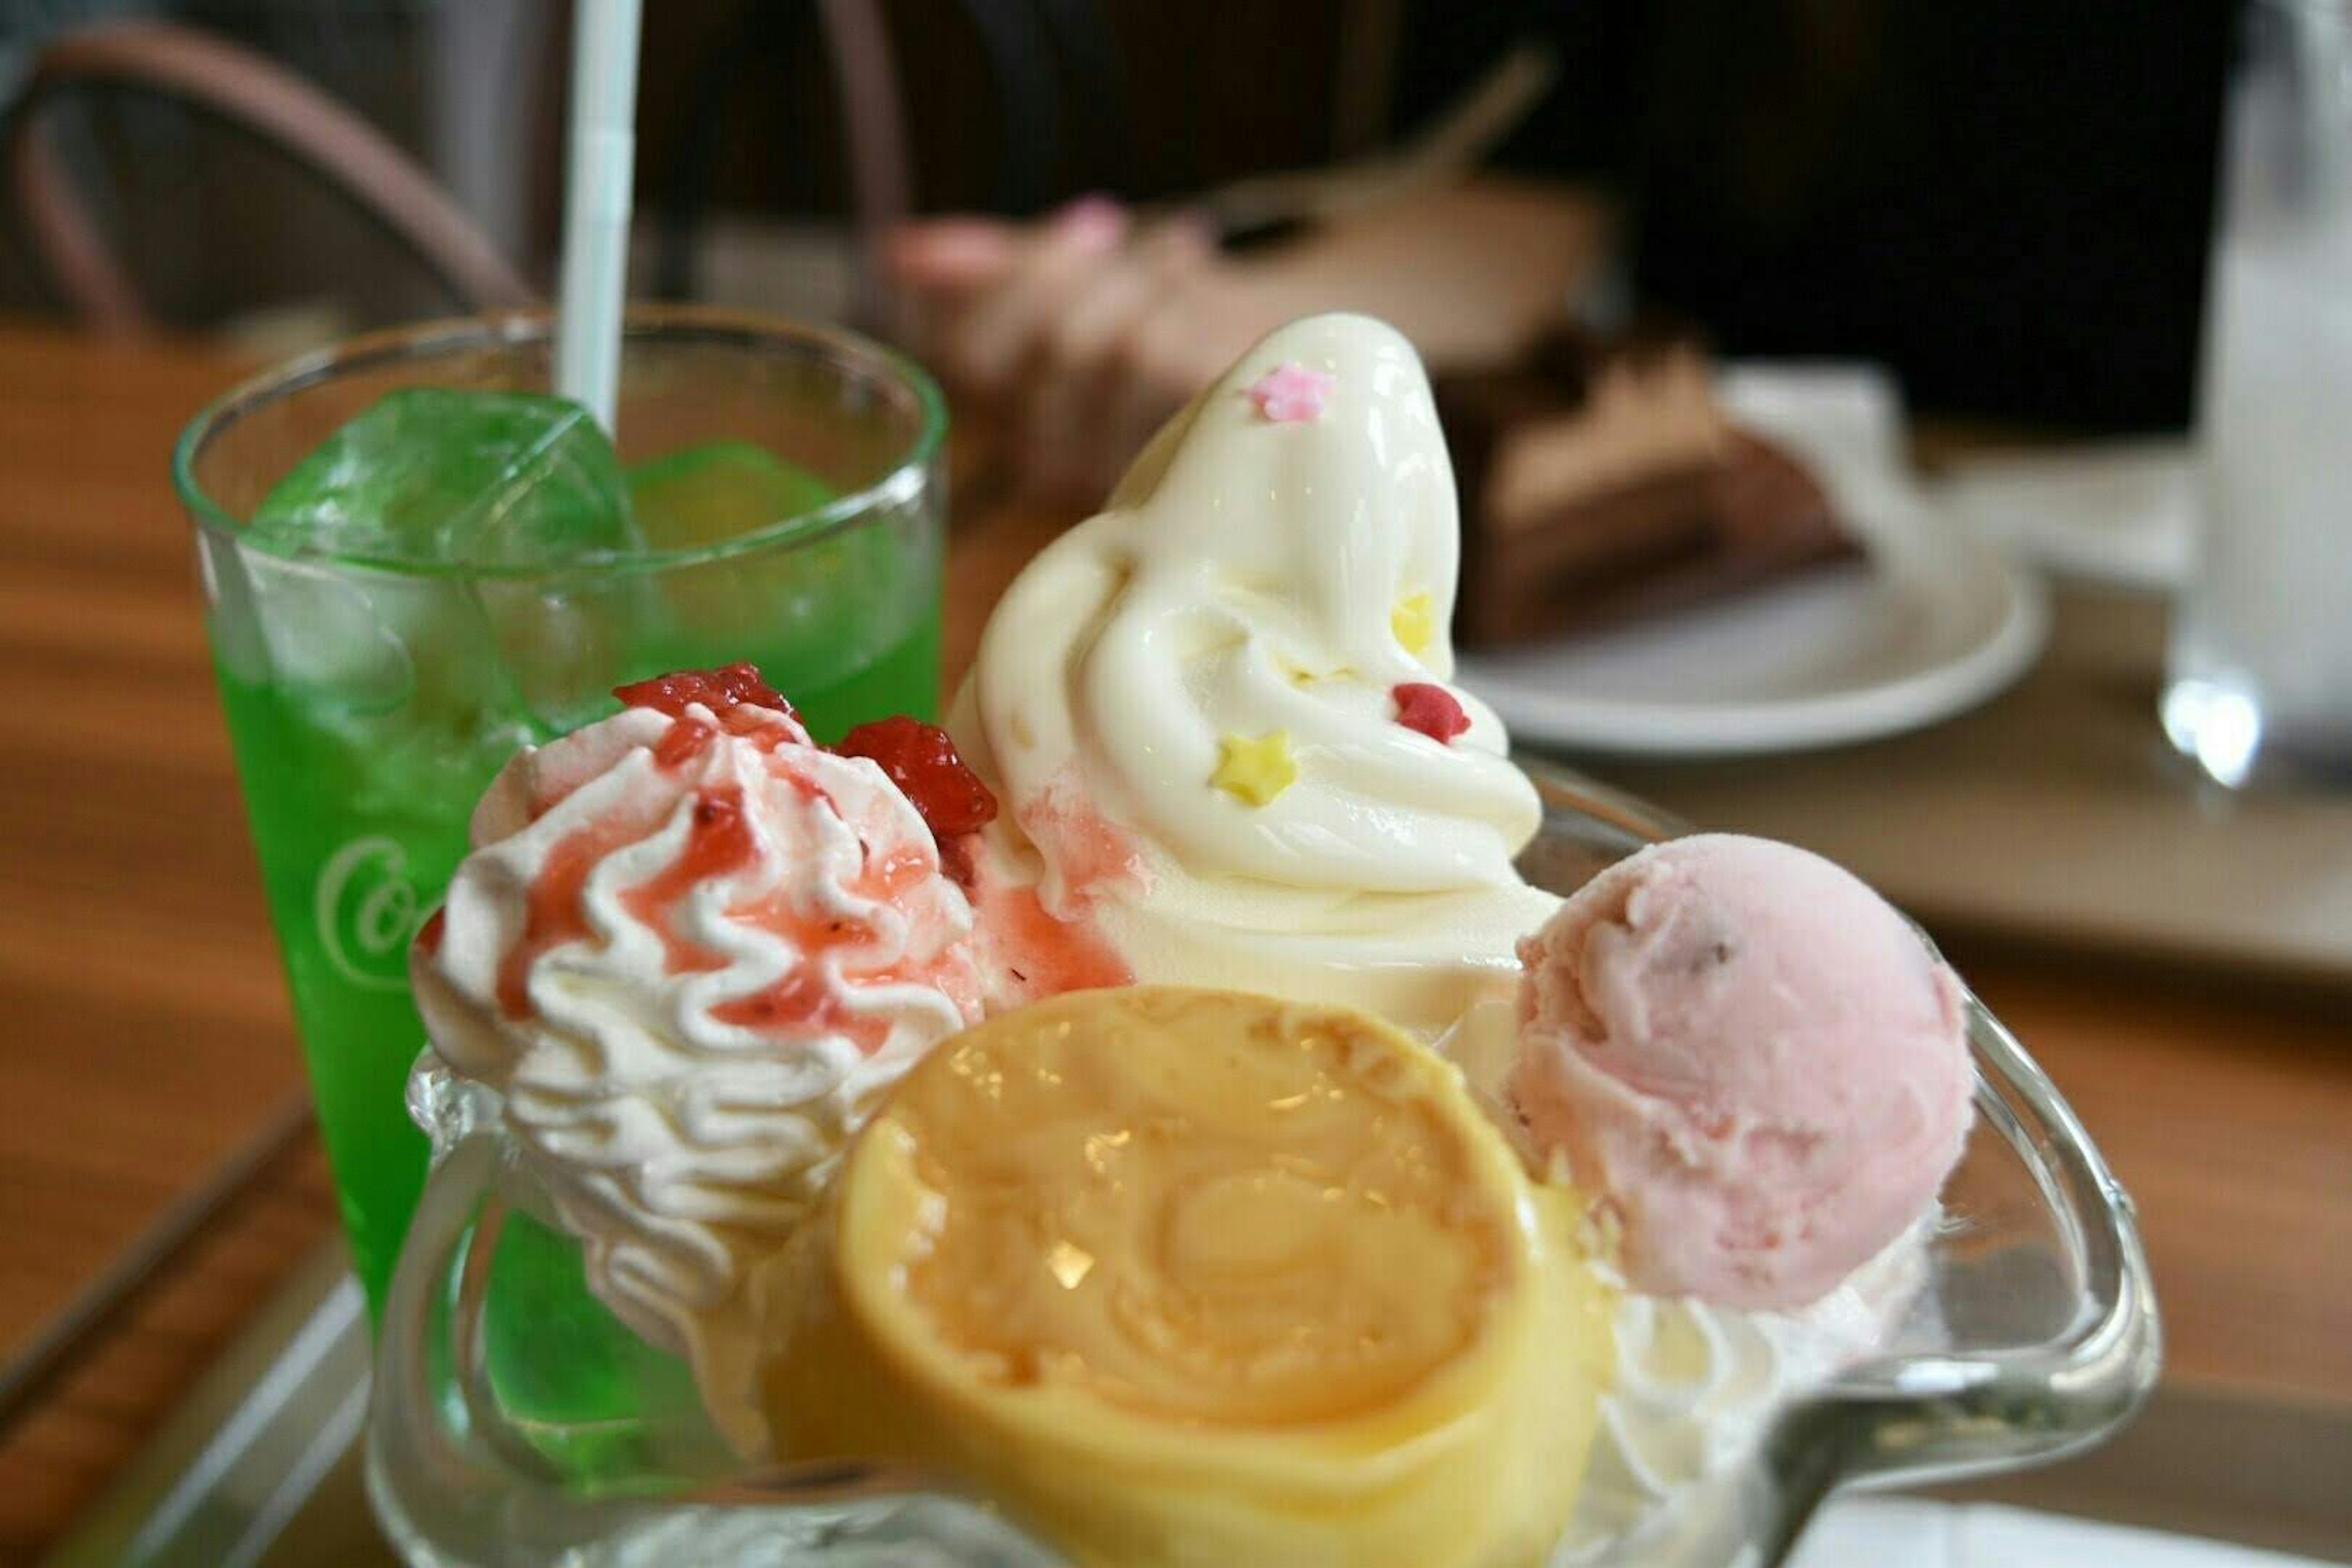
[(597, 204)]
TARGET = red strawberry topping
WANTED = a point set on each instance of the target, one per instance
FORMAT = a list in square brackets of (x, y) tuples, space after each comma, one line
[(923, 761), (722, 690)]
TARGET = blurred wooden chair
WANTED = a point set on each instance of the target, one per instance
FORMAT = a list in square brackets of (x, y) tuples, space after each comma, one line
[(241, 89), (756, 45)]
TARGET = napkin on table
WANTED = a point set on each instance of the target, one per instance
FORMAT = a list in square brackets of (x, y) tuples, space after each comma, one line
[(1914, 1532)]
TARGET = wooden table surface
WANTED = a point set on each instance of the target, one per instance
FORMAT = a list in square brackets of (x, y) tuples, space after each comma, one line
[(148, 1037)]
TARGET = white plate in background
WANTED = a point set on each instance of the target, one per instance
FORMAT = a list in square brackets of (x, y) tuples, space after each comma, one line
[(1933, 620), (2123, 512), (1869, 1533)]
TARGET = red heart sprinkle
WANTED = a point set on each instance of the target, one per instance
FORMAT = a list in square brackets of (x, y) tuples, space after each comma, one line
[(1430, 709)]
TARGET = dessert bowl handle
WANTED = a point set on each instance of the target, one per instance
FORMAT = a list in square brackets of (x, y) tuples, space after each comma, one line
[(446, 1490), (450, 1480), (1922, 1418), (453, 1481), (1941, 1418)]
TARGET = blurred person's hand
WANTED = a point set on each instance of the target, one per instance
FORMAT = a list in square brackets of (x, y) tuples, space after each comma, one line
[(1080, 333)]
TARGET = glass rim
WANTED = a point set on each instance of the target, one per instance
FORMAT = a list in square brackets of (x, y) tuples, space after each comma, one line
[(904, 479)]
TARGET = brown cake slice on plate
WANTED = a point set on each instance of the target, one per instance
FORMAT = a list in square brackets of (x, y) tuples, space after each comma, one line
[(1601, 485)]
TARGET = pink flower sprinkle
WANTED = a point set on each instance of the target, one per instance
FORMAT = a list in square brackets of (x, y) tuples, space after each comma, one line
[(1430, 709), (1290, 392)]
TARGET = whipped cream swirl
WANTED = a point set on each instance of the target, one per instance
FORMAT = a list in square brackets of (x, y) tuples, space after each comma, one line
[(691, 952), (1267, 569), (1695, 1388)]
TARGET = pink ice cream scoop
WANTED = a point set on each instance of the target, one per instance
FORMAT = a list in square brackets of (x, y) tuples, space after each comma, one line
[(1749, 1057)]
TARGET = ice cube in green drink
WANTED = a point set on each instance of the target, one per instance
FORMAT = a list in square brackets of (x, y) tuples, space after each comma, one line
[(520, 487), (478, 479), (699, 499), (719, 490)]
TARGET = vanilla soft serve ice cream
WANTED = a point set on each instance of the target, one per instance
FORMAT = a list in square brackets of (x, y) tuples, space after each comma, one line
[(690, 948), (1219, 716)]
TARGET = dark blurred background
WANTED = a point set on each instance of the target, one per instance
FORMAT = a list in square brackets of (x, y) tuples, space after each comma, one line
[(2009, 201)]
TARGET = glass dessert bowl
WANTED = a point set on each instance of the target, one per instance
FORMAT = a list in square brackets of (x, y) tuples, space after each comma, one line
[(2034, 1334), (1205, 1104)]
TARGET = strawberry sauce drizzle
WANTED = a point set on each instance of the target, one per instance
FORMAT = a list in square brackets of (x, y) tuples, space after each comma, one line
[(736, 703), (683, 742), (809, 998), (1048, 956), (721, 690), (918, 758), (812, 996), (1094, 854), (705, 703), (719, 842), (554, 913), (1045, 953)]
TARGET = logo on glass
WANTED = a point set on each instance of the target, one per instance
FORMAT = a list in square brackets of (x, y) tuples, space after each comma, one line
[(365, 911)]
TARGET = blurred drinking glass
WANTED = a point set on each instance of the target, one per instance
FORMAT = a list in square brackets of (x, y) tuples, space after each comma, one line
[(2260, 676)]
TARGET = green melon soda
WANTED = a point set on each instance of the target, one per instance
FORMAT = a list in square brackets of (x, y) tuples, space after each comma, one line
[(450, 576)]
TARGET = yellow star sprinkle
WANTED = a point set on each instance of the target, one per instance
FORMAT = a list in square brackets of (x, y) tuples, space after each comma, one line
[(1255, 771), (1414, 621)]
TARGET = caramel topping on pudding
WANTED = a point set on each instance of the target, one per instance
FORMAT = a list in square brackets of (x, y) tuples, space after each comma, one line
[(1184, 1277), (1197, 1207)]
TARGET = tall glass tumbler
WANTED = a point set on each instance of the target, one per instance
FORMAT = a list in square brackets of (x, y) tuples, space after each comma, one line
[(371, 701), (2259, 679)]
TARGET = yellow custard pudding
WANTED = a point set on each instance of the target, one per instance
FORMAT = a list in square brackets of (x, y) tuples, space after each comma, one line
[(1179, 1275)]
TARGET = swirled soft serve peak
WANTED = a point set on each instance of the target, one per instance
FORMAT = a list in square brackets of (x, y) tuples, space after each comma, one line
[(1220, 713)]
